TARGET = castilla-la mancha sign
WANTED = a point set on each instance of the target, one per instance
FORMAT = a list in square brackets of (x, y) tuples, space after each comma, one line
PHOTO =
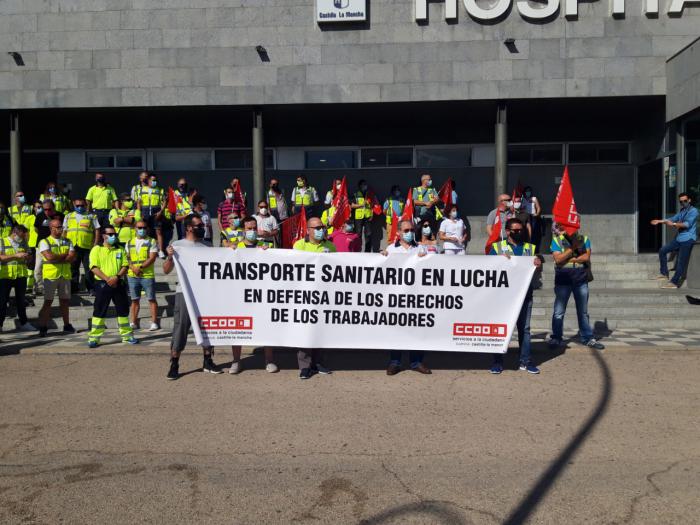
[(341, 10)]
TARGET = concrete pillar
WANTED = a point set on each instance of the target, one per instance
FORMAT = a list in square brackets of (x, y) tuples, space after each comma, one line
[(258, 159), (500, 175), (15, 155)]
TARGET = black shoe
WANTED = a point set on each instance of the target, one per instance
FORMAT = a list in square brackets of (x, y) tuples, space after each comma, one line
[(174, 371), (305, 373), (43, 331), (68, 328), (210, 367)]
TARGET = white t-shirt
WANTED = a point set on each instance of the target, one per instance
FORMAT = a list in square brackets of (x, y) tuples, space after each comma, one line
[(399, 248), (453, 229), (266, 223)]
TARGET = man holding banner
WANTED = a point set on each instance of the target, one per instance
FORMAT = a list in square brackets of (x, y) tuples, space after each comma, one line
[(194, 234), (514, 245), (315, 241), (406, 244), (250, 241)]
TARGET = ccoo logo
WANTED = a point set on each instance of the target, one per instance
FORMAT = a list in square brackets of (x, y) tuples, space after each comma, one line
[(480, 329), (226, 323), (341, 4)]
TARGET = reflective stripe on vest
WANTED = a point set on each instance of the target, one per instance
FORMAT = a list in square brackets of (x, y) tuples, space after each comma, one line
[(11, 269), (390, 210), (151, 197), (365, 212), (51, 270), (232, 234)]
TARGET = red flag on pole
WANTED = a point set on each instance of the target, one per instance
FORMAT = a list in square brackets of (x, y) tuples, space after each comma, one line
[(495, 232), (407, 214), (394, 227), (445, 193), (293, 229), (172, 201), (518, 191), (342, 206), (564, 211), (301, 226)]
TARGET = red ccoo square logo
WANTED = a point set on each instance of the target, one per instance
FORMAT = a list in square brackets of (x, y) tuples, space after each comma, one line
[(480, 330), (226, 323)]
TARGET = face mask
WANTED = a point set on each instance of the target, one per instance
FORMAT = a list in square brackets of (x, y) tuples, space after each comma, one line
[(430, 183), (397, 194), (141, 232), (263, 211), (154, 183), (318, 234), (426, 231), (453, 214), (198, 232), (20, 199), (100, 180), (528, 194), (37, 211), (300, 183), (128, 205), (508, 204), (111, 239), (517, 236), (274, 187), (685, 204), (251, 235), (52, 190), (348, 228), (16, 239), (80, 209), (236, 223), (407, 237), (204, 207), (229, 196), (182, 187), (517, 205), (363, 187)]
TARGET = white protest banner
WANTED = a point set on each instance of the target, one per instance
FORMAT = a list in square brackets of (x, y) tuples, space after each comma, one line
[(352, 300)]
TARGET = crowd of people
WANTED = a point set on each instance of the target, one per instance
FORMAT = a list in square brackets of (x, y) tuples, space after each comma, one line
[(118, 239)]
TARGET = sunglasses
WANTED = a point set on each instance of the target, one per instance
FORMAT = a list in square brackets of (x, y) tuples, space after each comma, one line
[(683, 201), (406, 231), (317, 227)]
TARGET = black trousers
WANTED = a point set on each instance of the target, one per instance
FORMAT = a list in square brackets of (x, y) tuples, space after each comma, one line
[(103, 217), (363, 229), (82, 256), (104, 294), (20, 286)]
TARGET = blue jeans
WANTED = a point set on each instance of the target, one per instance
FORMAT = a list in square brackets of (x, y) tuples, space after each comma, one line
[(523, 326), (683, 249), (562, 292), (415, 356)]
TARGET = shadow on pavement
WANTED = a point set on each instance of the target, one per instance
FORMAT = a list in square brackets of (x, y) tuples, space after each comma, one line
[(435, 511)]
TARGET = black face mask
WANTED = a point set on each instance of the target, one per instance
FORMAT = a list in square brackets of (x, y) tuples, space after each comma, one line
[(198, 232), (182, 187), (518, 237), (275, 187)]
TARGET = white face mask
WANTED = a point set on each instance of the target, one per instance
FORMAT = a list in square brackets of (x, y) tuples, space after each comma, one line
[(517, 205), (263, 211), (453, 214), (229, 195)]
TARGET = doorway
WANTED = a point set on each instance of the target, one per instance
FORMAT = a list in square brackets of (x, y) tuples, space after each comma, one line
[(650, 205)]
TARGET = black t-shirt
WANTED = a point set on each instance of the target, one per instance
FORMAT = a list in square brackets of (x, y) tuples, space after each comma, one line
[(41, 223)]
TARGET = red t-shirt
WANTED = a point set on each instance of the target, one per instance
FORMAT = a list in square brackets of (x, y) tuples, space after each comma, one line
[(345, 242)]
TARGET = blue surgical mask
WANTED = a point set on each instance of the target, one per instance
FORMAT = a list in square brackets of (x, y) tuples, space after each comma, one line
[(426, 231), (318, 234), (154, 183), (141, 232), (407, 237), (20, 199), (251, 235), (80, 209), (236, 223), (112, 239), (348, 227), (52, 190)]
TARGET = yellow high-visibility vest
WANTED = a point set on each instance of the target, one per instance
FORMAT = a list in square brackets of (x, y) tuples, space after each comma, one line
[(140, 256), (306, 199), (52, 270), (365, 212), (12, 269), (504, 247), (80, 232)]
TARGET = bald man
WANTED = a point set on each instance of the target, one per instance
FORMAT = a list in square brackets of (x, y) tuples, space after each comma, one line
[(502, 206)]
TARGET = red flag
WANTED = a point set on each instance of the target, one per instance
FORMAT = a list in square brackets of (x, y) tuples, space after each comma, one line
[(445, 193), (342, 206), (301, 226), (407, 214), (564, 211), (518, 191), (394, 227), (495, 233), (293, 229), (172, 201)]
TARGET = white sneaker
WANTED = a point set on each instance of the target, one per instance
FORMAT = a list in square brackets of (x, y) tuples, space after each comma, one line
[(27, 327), (161, 254), (153, 327), (235, 368), (271, 368), (133, 326)]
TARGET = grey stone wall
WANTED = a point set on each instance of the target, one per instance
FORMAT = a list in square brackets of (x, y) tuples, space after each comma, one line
[(683, 79), (95, 53)]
